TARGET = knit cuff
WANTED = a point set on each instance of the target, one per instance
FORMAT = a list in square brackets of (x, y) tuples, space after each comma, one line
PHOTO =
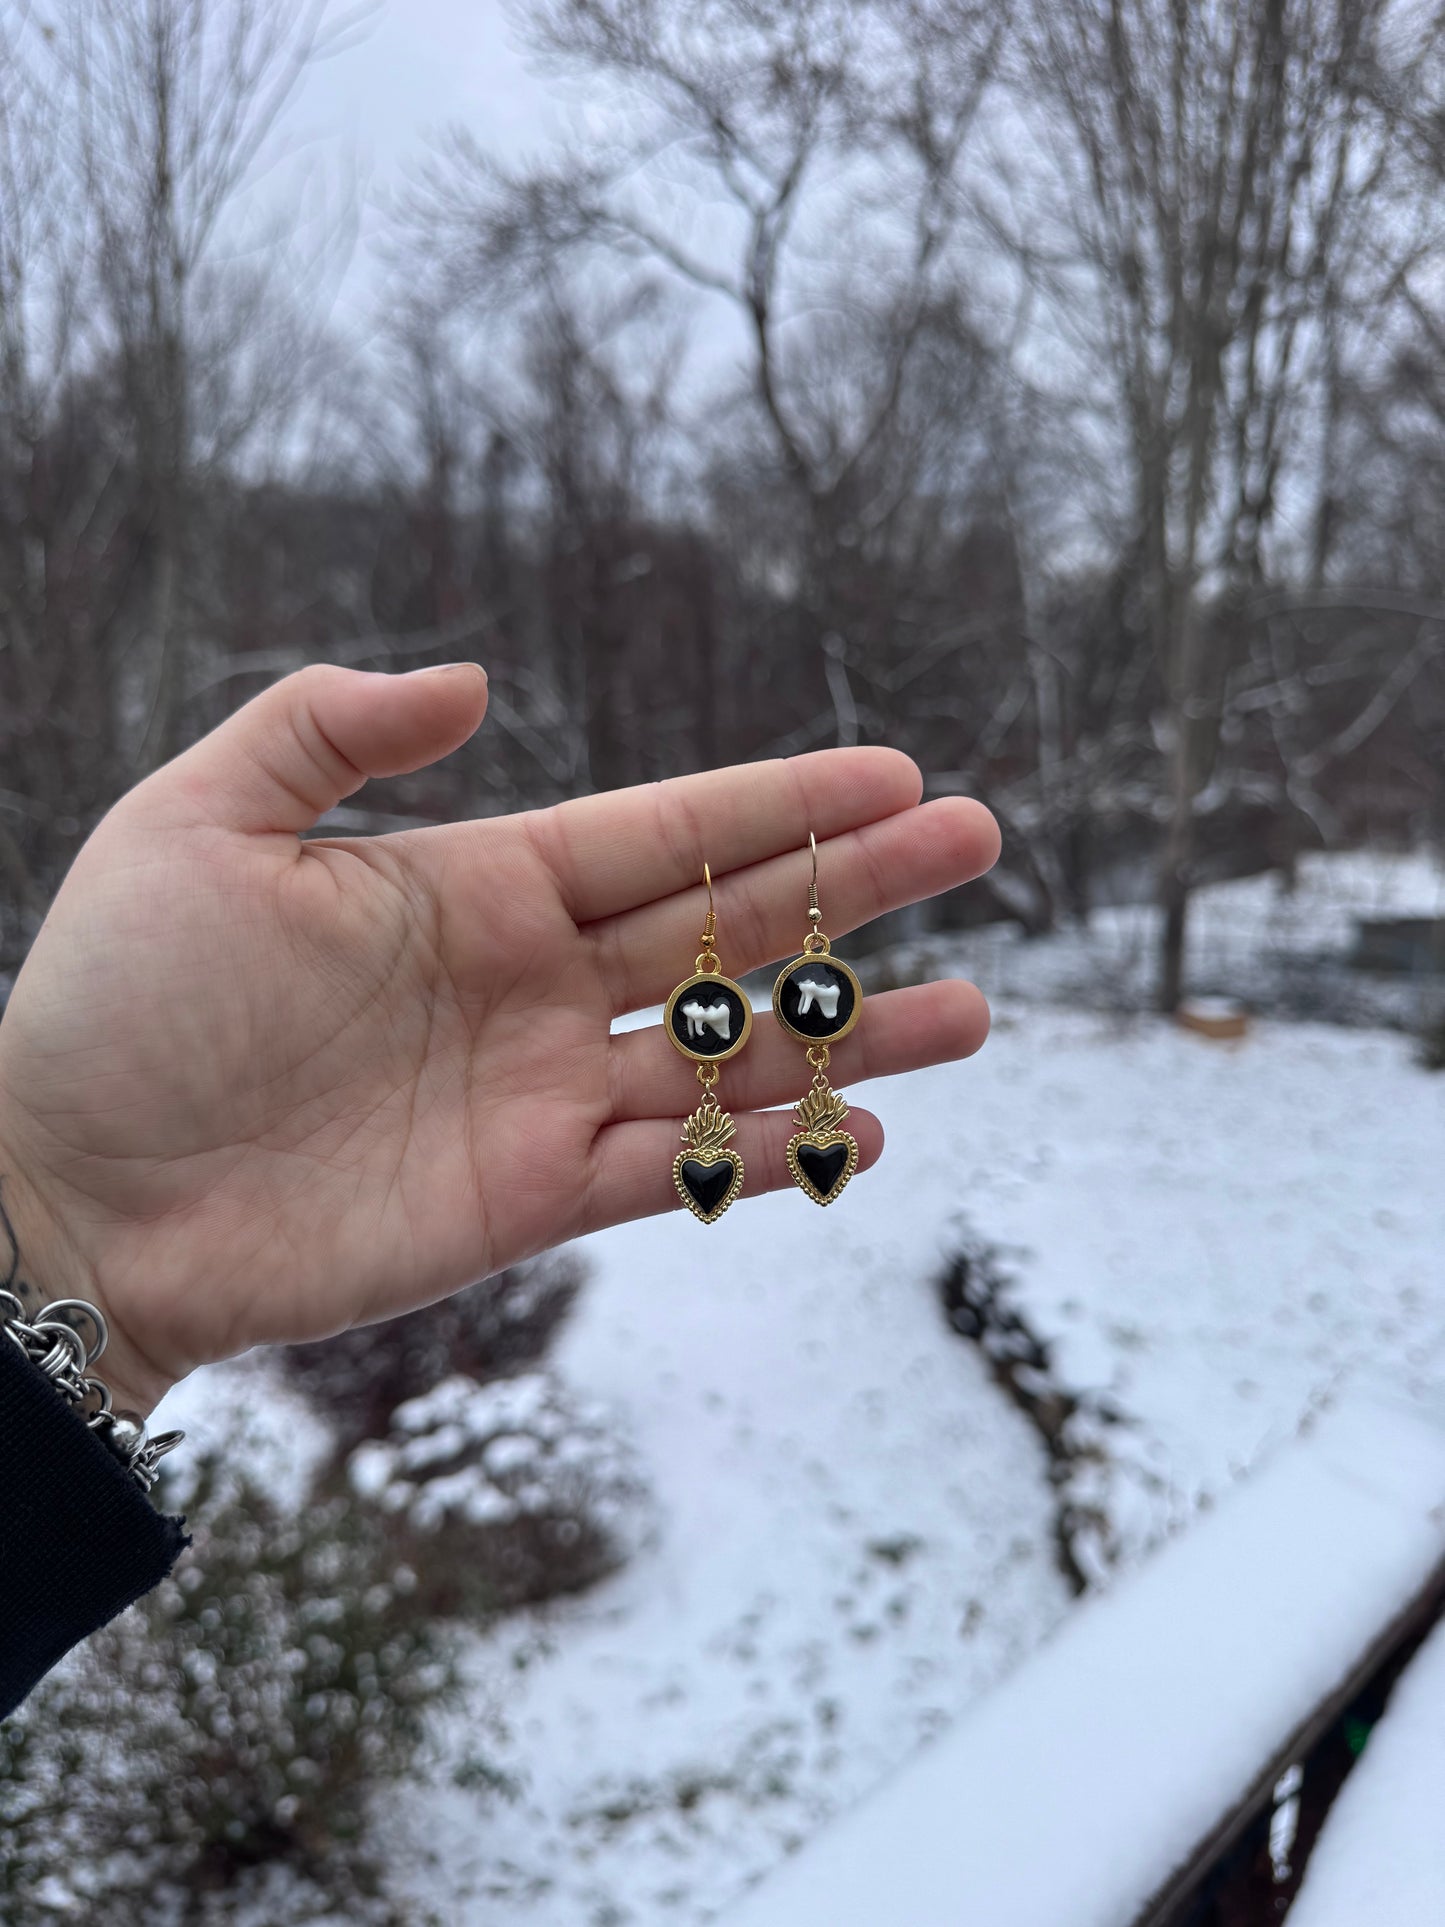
[(79, 1539)]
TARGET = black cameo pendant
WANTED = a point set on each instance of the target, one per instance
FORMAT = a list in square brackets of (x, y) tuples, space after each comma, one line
[(818, 999), (708, 1018)]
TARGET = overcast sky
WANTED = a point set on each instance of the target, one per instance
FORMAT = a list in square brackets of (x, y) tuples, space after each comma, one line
[(419, 67)]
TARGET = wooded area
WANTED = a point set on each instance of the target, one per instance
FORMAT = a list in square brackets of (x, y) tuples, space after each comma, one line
[(1054, 391)]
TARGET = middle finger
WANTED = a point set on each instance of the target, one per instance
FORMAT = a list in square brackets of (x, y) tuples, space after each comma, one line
[(901, 1030), (762, 910)]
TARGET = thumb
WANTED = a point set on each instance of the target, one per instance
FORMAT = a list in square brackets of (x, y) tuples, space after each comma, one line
[(295, 750)]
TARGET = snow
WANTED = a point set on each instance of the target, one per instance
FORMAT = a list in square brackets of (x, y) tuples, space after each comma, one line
[(1282, 951), (1211, 1009), (1381, 1855), (1078, 1788), (457, 1452), (854, 1540), (247, 1414), (1213, 1237), (854, 1536), (480, 1411), (1217, 1240)]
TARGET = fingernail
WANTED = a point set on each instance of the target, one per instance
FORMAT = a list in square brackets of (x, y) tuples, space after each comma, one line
[(443, 668)]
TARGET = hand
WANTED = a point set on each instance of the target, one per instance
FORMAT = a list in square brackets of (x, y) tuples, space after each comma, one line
[(255, 1089)]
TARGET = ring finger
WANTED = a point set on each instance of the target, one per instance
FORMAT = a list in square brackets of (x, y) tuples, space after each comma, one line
[(901, 1030)]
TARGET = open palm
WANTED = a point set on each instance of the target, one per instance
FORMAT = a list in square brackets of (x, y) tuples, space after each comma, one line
[(257, 1089)]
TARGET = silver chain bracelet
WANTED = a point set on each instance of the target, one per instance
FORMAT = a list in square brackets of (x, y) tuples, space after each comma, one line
[(63, 1340)]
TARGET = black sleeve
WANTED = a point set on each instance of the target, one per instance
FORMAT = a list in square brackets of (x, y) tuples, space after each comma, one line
[(79, 1539)]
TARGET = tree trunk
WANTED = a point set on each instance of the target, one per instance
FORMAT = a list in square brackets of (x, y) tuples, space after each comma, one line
[(1177, 880), (604, 663), (166, 442), (1077, 865), (1174, 901)]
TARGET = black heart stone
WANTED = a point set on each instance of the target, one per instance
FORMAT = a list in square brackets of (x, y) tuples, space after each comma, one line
[(822, 1167), (708, 1184)]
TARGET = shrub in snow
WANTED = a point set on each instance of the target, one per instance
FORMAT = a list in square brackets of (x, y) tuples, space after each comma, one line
[(500, 1488), (1109, 1503), (489, 1330), (208, 1756), (502, 1493)]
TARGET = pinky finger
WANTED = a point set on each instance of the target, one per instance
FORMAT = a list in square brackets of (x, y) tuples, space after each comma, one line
[(632, 1163)]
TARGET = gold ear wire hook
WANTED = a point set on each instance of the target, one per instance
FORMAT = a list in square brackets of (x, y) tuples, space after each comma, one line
[(710, 927), (815, 944)]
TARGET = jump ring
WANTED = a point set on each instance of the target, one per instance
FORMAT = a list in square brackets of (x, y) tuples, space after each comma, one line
[(96, 1402), (67, 1348), (76, 1314)]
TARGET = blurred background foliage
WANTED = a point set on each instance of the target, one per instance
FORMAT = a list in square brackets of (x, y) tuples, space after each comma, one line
[(212, 1757), (219, 1742)]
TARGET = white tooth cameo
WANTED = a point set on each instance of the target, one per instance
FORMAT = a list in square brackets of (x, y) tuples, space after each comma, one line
[(817, 999), (825, 996), (707, 1018), (714, 1017)]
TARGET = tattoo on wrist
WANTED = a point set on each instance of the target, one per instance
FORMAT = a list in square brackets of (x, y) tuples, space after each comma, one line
[(63, 1342), (30, 1294)]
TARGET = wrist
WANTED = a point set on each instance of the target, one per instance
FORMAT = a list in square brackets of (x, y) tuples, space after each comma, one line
[(41, 1263)]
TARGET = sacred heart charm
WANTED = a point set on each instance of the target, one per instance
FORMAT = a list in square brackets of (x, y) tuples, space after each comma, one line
[(708, 1175), (822, 1157)]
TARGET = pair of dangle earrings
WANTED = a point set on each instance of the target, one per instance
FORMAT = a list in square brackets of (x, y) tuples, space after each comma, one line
[(816, 999)]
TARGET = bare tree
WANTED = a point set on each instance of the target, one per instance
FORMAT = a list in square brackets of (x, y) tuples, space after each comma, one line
[(55, 501), (141, 352), (750, 137), (1053, 391), (1230, 193), (172, 103)]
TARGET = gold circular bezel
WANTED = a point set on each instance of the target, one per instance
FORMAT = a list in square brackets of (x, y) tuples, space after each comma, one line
[(708, 1056), (830, 962)]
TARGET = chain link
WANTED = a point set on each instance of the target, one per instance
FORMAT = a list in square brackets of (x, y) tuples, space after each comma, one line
[(55, 1347)]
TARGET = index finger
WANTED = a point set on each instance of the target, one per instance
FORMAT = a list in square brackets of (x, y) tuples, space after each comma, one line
[(614, 852)]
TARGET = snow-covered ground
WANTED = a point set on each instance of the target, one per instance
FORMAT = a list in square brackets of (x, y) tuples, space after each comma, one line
[(854, 1527), (1282, 951), (1216, 1233), (854, 1540), (1080, 1789)]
